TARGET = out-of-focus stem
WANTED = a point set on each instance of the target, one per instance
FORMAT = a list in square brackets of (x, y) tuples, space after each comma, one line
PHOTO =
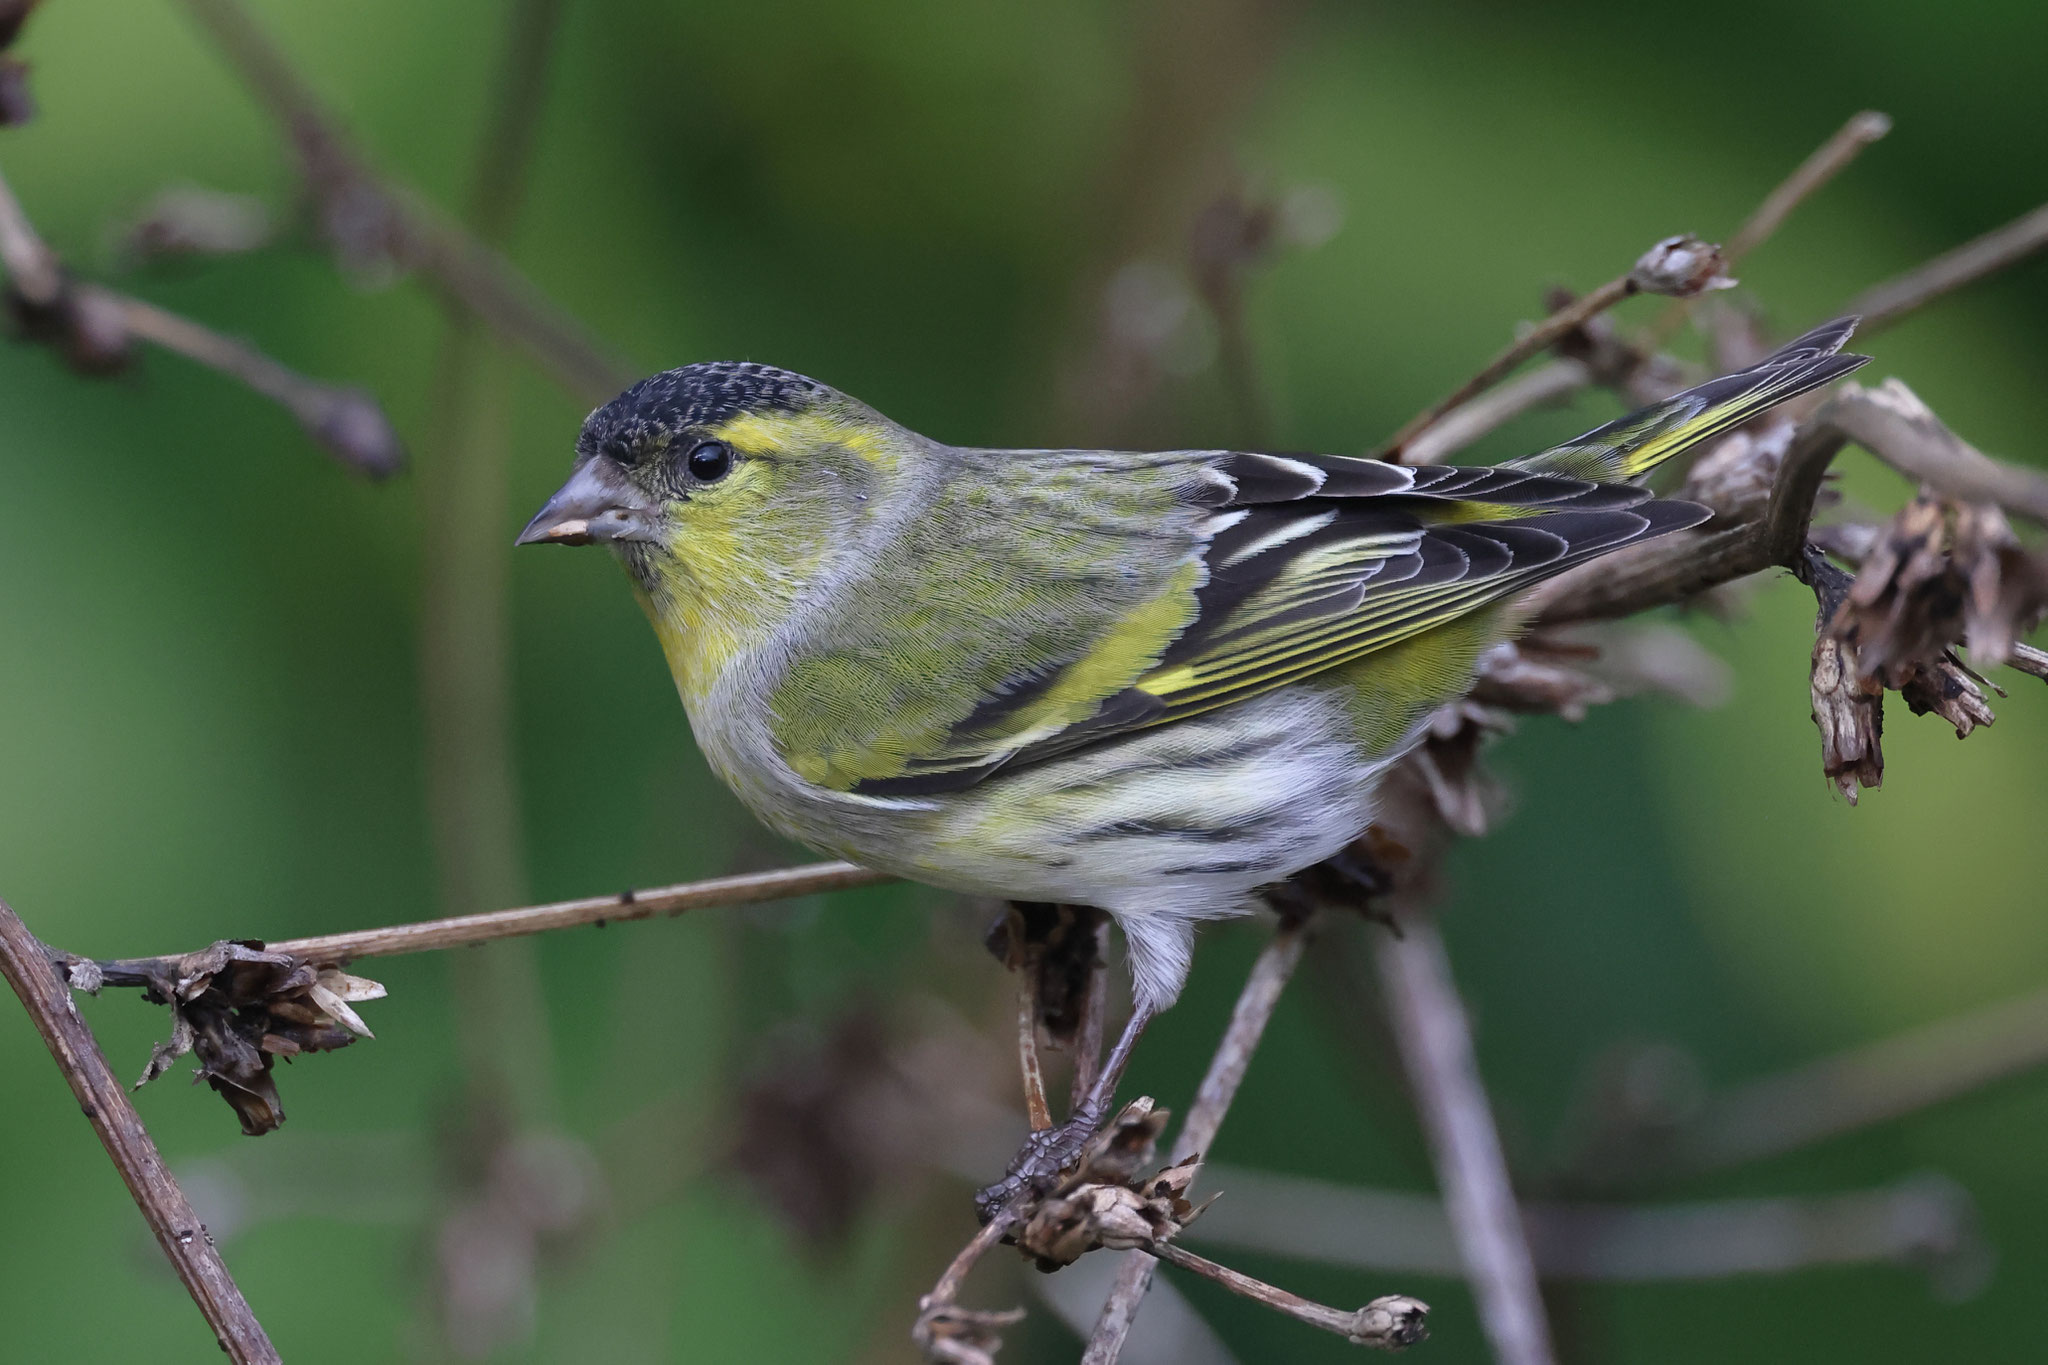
[(1436, 1045), (465, 640)]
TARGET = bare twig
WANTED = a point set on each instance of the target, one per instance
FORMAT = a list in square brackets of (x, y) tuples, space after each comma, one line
[(1541, 387), (184, 1239), (94, 325), (1028, 1064), (464, 641), (1919, 1221), (1248, 1020), (945, 1332), (1094, 1019), (368, 217), (459, 931), (1389, 1323), (1463, 422), (1887, 303), (1893, 424), (347, 422), (1436, 1044), (1532, 342), (1679, 566), (30, 263), (1852, 1090), (1826, 162), (1680, 267)]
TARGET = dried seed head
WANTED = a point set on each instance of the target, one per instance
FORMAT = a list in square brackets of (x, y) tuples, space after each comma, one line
[(1681, 267), (1849, 709)]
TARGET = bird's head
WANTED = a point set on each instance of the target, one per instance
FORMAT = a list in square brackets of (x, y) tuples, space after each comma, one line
[(725, 489)]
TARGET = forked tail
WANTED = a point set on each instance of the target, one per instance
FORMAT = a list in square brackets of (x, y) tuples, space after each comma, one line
[(1630, 447)]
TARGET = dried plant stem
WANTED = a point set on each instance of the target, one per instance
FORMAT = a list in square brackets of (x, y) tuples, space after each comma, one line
[(465, 634), (31, 265), (459, 931), (947, 1290), (1924, 1221), (1388, 1323), (1436, 1046), (952, 1335), (1028, 1063), (1248, 1020), (184, 1239), (1678, 566), (1537, 339), (473, 275), (1468, 422), (1887, 303), (1868, 1085), (1893, 424), (1828, 160), (345, 421), (1094, 1020)]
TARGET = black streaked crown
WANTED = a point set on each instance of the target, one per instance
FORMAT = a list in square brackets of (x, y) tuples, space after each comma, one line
[(695, 396)]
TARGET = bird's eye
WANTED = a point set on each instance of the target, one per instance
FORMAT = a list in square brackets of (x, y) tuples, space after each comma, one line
[(710, 461)]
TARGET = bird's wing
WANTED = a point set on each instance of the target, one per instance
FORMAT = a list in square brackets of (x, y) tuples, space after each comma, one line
[(1304, 563), (1274, 568)]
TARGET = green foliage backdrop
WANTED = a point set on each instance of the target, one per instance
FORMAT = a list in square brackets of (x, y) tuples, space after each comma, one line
[(209, 715)]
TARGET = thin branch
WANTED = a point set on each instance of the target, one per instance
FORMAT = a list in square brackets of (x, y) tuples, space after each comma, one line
[(459, 931), (1887, 303), (1537, 339), (94, 326), (1436, 1044), (1391, 1323), (1893, 424), (345, 421), (1674, 567), (185, 1241), (1035, 1107), (1248, 1020), (464, 639), (31, 265), (379, 218), (1094, 1020), (947, 1290), (1543, 387), (947, 1333), (1827, 161), (1678, 267), (1852, 1090), (1922, 1221)]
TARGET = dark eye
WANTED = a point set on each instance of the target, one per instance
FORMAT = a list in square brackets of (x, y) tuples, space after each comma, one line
[(710, 461)]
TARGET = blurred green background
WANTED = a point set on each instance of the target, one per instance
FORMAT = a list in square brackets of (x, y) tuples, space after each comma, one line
[(210, 706)]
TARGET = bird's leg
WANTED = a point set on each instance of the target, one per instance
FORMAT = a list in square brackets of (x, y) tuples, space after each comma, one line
[(1046, 1155)]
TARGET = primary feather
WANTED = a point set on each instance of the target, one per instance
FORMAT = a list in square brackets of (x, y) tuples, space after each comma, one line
[(1147, 682)]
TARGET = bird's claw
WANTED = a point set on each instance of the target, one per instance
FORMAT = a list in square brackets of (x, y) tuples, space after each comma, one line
[(1041, 1163)]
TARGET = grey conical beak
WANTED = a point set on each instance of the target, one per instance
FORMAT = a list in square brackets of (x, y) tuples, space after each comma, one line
[(597, 504)]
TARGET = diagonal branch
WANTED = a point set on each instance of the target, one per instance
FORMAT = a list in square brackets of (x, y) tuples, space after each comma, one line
[(1824, 1099), (93, 326), (1922, 1221), (184, 1239), (1884, 304), (1435, 1039), (458, 931), (1248, 1020), (1808, 178), (369, 218)]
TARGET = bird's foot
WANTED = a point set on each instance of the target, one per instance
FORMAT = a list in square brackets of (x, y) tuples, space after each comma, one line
[(1041, 1163)]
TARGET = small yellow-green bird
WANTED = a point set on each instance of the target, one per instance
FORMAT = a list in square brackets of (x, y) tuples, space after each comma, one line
[(1147, 682)]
